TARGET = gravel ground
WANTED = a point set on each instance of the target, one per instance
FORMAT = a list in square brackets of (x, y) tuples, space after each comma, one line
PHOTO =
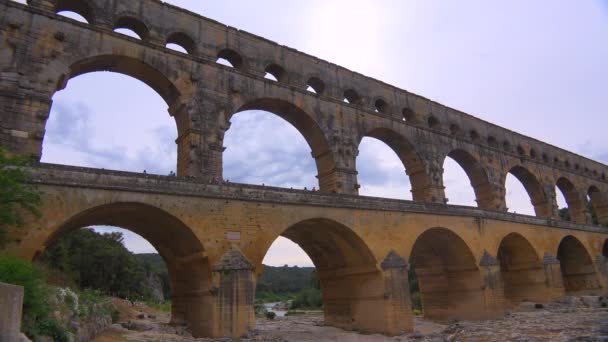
[(573, 319)]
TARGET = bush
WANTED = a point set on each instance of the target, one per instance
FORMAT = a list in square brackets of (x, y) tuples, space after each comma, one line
[(271, 315), (20, 272), (309, 298)]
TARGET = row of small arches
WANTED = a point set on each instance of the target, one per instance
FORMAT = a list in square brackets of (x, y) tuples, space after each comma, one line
[(182, 42)]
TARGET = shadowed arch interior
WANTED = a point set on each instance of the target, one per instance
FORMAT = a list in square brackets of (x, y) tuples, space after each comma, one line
[(521, 269), (573, 199), (184, 255), (310, 130), (347, 272), (477, 176), (81, 7), (448, 276), (542, 208), (577, 267), (413, 164)]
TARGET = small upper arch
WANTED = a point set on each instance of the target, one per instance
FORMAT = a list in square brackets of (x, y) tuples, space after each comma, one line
[(81, 7), (234, 58), (275, 72), (381, 106), (316, 84), (351, 96), (128, 21), (184, 40)]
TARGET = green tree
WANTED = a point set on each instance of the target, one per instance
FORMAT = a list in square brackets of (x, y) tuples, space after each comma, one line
[(16, 195)]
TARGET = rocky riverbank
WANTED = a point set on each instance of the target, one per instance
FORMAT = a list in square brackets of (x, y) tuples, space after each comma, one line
[(572, 319)]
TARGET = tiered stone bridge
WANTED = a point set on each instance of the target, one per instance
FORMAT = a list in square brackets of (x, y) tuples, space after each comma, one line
[(472, 263)]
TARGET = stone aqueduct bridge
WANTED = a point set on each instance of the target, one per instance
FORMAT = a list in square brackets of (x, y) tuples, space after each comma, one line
[(471, 262)]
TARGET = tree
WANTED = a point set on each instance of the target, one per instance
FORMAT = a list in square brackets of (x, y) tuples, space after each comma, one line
[(16, 195)]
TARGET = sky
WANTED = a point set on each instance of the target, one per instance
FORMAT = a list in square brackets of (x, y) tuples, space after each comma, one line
[(535, 67)]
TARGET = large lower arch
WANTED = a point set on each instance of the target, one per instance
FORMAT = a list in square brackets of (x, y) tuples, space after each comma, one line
[(542, 207), (352, 284), (484, 194), (578, 270), (413, 164), (576, 208), (312, 133), (184, 255), (449, 279), (521, 270)]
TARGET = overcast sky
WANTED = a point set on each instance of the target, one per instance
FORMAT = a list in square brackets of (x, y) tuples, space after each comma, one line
[(536, 67)]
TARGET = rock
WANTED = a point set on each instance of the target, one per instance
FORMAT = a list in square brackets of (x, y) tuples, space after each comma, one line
[(538, 306), (23, 338), (591, 301), (138, 326), (526, 306), (141, 316)]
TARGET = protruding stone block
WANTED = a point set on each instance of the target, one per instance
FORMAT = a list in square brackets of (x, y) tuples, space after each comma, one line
[(11, 302)]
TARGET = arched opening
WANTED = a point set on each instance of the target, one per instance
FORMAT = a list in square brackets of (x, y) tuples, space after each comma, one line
[(380, 171), (573, 209), (125, 126), (448, 277), (521, 270), (408, 115), (605, 249), (380, 106), (188, 270), (75, 9), (315, 85), (374, 163), (524, 194), (230, 58), (285, 163), (275, 72), (350, 282), (578, 271), (132, 27), (433, 122), (352, 97), (181, 42), (478, 192)]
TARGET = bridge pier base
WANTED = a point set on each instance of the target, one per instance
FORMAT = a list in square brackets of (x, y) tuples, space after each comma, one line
[(234, 297), (553, 278), (493, 286)]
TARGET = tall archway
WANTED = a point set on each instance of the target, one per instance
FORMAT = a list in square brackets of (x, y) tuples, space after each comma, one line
[(97, 112), (521, 269), (380, 172), (483, 196), (577, 267), (406, 152), (576, 209), (184, 255), (448, 276), (352, 285), (310, 130), (533, 188)]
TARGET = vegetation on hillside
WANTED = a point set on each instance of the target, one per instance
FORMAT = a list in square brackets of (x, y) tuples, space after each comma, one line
[(100, 261)]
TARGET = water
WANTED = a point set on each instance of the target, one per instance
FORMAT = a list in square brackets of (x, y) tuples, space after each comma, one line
[(269, 307)]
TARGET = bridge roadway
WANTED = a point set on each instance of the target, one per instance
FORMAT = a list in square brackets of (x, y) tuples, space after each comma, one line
[(471, 263)]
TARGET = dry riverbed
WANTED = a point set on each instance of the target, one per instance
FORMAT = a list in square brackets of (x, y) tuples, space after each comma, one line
[(573, 319)]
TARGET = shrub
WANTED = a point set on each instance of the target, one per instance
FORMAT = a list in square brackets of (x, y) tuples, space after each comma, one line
[(271, 315), (309, 298), (20, 272)]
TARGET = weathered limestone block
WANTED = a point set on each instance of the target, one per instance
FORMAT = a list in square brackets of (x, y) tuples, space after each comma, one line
[(493, 288), (235, 295), (397, 294), (554, 279), (11, 302)]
